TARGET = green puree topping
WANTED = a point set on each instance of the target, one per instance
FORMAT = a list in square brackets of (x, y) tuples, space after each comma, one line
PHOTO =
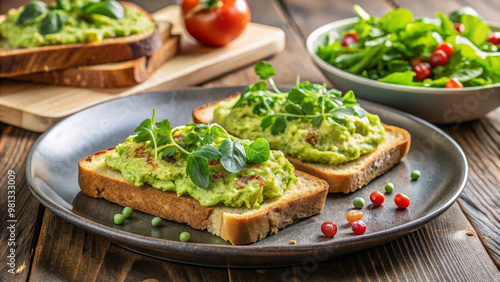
[(68, 22), (173, 169), (310, 122)]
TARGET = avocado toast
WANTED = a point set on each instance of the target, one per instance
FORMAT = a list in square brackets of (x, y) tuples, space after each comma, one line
[(321, 133), (200, 175)]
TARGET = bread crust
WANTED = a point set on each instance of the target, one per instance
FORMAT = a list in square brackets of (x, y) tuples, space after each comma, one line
[(374, 164), (237, 228), (47, 58)]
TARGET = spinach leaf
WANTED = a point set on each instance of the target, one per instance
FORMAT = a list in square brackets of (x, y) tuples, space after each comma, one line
[(475, 29), (404, 78)]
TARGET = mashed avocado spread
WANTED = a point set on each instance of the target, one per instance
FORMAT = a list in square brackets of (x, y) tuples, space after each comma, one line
[(78, 21), (247, 187), (310, 122)]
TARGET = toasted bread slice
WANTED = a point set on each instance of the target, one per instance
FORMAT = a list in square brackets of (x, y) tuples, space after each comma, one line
[(20, 61), (349, 176), (236, 225)]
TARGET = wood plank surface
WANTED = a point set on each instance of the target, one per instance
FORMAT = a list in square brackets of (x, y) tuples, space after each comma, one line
[(446, 249)]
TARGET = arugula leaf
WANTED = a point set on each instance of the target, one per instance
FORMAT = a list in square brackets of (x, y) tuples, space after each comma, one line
[(32, 11), (264, 70), (198, 171), (258, 151), (233, 156), (208, 151)]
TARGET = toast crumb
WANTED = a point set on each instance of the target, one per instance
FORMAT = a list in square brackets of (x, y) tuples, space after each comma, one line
[(293, 242)]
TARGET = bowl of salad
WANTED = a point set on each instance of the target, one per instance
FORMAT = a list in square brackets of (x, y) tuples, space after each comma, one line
[(444, 69)]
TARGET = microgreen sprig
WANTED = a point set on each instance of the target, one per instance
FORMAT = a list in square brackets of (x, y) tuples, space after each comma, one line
[(199, 143)]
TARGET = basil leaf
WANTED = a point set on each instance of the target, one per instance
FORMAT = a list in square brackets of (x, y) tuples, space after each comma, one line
[(32, 11), (317, 120), (208, 151), (169, 151), (233, 156), (111, 9), (198, 171), (258, 151), (279, 125), (53, 22), (264, 70), (63, 5)]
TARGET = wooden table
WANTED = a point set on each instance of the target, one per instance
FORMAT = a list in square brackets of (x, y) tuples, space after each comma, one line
[(462, 244)]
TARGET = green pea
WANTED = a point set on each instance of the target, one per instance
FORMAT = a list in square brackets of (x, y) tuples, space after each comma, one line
[(119, 218), (358, 202), (185, 237), (415, 174), (127, 212), (156, 221), (389, 187)]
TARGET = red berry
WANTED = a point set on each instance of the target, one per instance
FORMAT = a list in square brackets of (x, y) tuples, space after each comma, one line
[(494, 38), (358, 227), (422, 71), (416, 61), (401, 200), (438, 58), (377, 198), (348, 39), (454, 83), (460, 27), (446, 47), (329, 229)]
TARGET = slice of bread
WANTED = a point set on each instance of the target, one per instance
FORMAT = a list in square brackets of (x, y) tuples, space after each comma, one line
[(236, 225), (349, 176), (20, 61)]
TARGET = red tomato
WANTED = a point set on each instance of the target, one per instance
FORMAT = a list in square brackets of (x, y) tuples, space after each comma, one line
[(494, 38), (446, 47), (438, 58), (349, 38), (217, 25), (377, 198), (460, 27), (423, 71), (416, 61), (454, 83), (401, 200)]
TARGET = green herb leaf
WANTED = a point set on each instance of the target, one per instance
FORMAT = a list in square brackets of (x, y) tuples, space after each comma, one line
[(342, 112), (264, 70), (32, 11), (308, 108), (349, 100), (297, 95), (267, 121), (317, 120), (198, 171), (63, 5), (147, 132), (218, 131), (208, 151), (293, 109), (475, 29), (53, 22), (258, 151), (111, 9), (207, 138), (233, 156), (279, 125), (190, 138), (396, 19), (169, 151), (456, 16)]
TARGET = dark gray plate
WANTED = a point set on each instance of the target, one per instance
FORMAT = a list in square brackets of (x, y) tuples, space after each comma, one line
[(52, 175)]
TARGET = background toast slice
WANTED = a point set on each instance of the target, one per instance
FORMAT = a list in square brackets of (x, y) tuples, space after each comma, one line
[(349, 176), (20, 61), (120, 74), (236, 225)]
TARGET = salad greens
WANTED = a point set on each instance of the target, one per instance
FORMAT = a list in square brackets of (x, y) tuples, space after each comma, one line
[(385, 47), (199, 143)]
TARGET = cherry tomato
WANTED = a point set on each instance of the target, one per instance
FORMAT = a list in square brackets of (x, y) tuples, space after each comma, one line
[(446, 47), (416, 61), (438, 58), (494, 38), (377, 198), (460, 27), (454, 83), (423, 71), (401, 200), (354, 215), (215, 25), (349, 38), (329, 229), (358, 227)]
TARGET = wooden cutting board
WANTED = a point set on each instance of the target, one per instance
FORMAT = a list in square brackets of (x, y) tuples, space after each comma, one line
[(37, 107)]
